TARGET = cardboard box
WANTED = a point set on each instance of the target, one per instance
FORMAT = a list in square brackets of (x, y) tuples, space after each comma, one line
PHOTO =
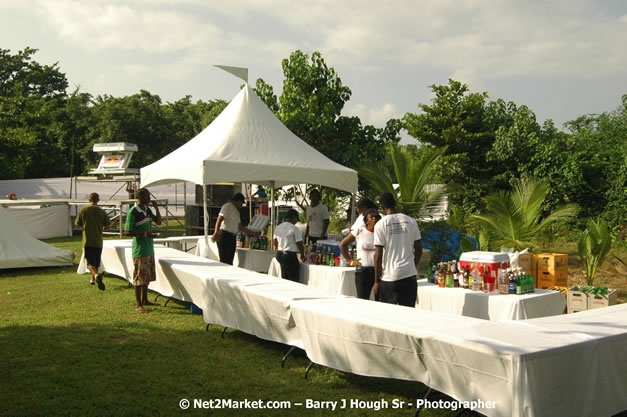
[(602, 300), (552, 278), (576, 300), (552, 261), (527, 261)]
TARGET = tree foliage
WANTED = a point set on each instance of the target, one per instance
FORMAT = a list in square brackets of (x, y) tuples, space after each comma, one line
[(311, 105), (514, 218), (46, 131)]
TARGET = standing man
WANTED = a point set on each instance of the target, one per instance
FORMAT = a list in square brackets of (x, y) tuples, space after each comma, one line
[(93, 220), (227, 225), (398, 250), (317, 218), (288, 242), (139, 225)]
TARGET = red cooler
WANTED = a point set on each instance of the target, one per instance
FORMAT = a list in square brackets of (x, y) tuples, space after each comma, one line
[(492, 261)]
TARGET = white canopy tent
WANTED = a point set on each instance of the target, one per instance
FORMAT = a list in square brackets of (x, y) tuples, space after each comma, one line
[(247, 143), (18, 249)]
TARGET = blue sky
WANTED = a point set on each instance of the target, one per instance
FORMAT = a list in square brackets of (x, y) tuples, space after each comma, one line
[(561, 58)]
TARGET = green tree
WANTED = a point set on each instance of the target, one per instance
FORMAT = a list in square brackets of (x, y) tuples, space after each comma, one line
[(138, 119), (414, 176), (515, 218), (32, 100), (457, 119), (311, 105), (596, 164)]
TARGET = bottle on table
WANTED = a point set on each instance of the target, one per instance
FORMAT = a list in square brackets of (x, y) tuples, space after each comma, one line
[(450, 280), (441, 276), (466, 278), (519, 283), (476, 277), (503, 280), (457, 276), (512, 281)]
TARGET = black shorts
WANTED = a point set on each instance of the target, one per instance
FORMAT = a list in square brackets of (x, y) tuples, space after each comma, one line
[(92, 256)]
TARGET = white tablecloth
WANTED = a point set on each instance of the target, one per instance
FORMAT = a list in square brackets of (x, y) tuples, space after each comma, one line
[(248, 301), (252, 259), (117, 259), (184, 243), (562, 365), (335, 279), (493, 307), (527, 368)]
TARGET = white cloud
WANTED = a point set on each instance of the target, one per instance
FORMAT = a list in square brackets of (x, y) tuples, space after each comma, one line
[(376, 116)]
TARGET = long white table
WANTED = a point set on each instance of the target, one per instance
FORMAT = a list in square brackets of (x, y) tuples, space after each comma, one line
[(248, 301), (527, 368), (117, 259), (341, 281), (252, 259), (562, 365), (338, 280), (495, 307)]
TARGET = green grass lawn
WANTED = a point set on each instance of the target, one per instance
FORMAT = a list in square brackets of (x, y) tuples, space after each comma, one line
[(69, 349)]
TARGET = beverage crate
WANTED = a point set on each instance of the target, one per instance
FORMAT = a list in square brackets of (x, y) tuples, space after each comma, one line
[(552, 278), (552, 261), (602, 300), (576, 300)]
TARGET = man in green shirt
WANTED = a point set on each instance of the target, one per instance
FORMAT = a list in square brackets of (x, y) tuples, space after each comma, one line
[(93, 220), (139, 225)]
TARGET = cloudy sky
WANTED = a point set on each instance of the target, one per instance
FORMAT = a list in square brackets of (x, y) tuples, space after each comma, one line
[(561, 58)]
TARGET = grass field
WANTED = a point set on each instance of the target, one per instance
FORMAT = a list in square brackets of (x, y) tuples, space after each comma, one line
[(68, 349)]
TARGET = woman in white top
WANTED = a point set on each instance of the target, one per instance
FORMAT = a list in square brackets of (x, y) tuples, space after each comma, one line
[(364, 238)]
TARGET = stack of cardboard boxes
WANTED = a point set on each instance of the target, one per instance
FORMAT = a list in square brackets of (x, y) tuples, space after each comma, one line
[(552, 270)]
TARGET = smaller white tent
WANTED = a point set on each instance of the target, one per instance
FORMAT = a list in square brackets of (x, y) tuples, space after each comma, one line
[(18, 249)]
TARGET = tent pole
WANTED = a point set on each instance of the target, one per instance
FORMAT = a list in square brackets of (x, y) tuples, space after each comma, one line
[(250, 203), (352, 209), (205, 218), (273, 212)]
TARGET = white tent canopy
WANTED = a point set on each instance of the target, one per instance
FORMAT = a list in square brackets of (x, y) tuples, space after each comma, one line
[(18, 249), (248, 143)]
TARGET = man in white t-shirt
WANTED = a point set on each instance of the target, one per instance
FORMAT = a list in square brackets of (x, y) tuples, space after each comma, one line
[(288, 242), (227, 225), (398, 250), (317, 218)]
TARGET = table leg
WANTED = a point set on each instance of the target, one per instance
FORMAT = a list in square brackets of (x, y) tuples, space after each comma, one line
[(311, 364), (289, 352)]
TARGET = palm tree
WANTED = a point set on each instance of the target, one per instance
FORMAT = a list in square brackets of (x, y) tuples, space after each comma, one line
[(414, 176), (514, 218)]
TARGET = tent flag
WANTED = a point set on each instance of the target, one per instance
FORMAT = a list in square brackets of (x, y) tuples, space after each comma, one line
[(239, 72)]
